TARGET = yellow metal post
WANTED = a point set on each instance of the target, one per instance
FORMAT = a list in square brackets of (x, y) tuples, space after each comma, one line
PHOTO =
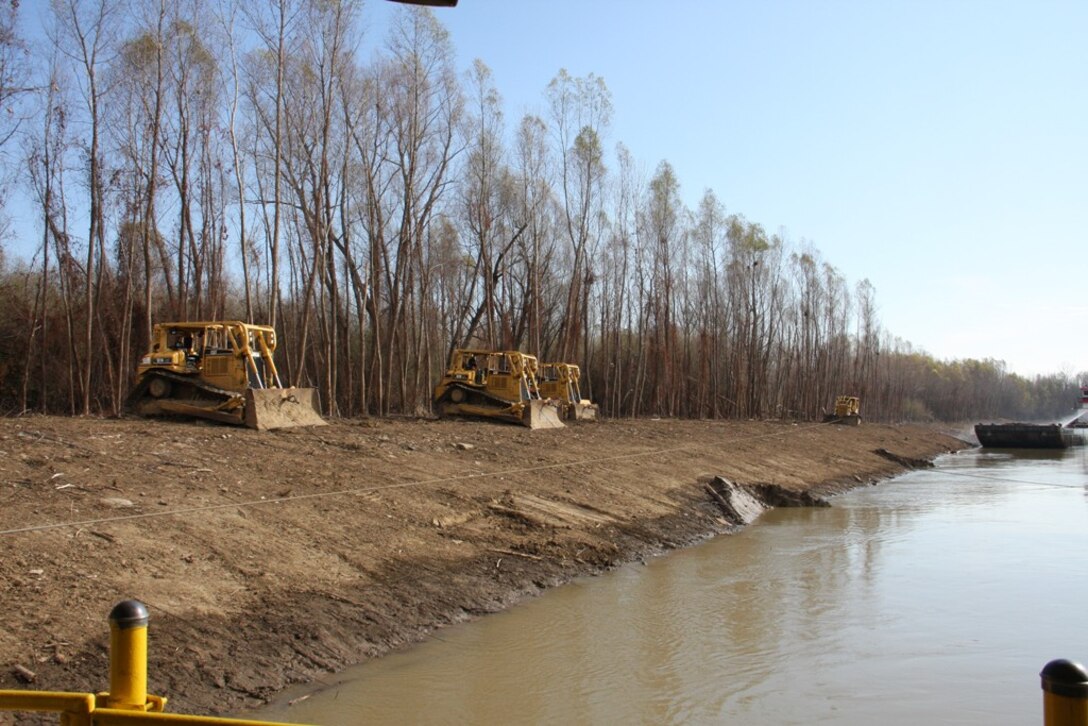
[(128, 656), (128, 702), (1065, 694)]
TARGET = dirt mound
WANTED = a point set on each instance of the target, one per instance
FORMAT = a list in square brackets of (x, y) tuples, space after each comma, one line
[(271, 558)]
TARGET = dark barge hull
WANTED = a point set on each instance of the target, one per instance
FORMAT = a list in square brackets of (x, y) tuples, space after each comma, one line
[(1024, 436)]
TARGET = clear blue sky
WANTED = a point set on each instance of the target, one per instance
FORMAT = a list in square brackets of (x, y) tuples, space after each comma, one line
[(938, 148)]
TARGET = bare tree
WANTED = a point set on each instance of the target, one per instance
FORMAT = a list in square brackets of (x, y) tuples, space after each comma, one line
[(140, 80), (316, 146), (489, 202), (227, 15), (85, 34), (581, 110), (664, 235), (536, 209), (15, 88), (419, 114), (274, 28), (46, 155), (709, 238)]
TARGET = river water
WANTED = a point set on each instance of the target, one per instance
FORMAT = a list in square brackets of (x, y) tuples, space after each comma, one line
[(936, 597)]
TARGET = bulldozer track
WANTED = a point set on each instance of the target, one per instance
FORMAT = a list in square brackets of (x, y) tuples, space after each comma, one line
[(139, 393), (474, 396)]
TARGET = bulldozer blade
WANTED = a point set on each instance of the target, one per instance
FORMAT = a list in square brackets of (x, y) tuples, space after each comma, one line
[(281, 408), (585, 411), (541, 415)]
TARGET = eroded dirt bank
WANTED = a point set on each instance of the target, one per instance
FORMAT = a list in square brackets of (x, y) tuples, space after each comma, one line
[(273, 558)]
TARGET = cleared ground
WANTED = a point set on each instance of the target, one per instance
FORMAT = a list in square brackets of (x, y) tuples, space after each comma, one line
[(271, 558)]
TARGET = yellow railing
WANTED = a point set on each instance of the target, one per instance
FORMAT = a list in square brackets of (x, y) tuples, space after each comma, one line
[(127, 702)]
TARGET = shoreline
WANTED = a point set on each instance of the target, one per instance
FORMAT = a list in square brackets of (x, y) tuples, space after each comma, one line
[(271, 560)]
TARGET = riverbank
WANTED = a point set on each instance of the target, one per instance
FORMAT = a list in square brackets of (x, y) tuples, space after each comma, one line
[(268, 559)]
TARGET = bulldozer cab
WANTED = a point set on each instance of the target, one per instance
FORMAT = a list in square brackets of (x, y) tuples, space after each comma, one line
[(494, 384), (219, 370), (230, 355), (508, 374)]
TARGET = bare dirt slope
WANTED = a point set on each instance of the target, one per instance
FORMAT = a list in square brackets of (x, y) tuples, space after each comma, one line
[(272, 558)]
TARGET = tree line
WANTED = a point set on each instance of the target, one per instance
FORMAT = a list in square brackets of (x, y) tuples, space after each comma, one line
[(252, 159)]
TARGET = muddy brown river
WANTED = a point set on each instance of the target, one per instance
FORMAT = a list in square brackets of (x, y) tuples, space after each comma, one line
[(936, 597)]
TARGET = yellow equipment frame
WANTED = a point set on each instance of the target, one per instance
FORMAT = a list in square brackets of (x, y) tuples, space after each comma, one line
[(127, 703)]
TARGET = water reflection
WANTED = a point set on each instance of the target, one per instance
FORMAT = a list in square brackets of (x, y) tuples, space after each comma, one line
[(934, 598)]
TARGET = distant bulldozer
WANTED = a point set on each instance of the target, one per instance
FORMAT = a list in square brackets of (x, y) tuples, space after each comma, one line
[(223, 371), (847, 411), (561, 381), (499, 385)]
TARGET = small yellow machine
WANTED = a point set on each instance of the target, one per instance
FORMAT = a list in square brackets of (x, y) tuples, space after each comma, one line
[(223, 371), (561, 381), (495, 384), (847, 411)]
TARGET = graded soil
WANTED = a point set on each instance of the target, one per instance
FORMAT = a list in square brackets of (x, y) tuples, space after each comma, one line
[(268, 559)]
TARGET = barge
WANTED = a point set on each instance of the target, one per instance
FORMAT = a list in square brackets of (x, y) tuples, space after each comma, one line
[(1025, 436)]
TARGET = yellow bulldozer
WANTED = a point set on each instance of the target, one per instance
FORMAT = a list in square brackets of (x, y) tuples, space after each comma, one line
[(223, 371), (561, 381), (847, 411), (499, 385)]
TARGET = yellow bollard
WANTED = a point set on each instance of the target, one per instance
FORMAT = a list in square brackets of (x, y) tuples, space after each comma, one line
[(128, 656), (1065, 694)]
